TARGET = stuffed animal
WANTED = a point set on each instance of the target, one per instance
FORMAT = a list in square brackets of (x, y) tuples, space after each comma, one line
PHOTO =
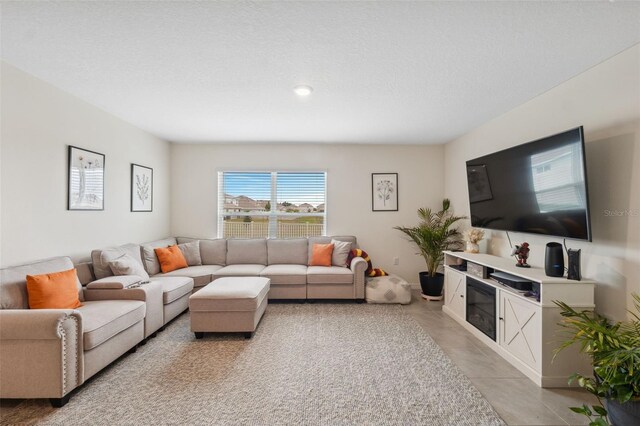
[(371, 271)]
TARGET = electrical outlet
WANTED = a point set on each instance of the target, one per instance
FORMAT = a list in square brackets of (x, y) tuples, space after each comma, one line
[(396, 260)]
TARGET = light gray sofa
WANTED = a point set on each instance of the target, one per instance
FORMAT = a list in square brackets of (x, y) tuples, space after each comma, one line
[(284, 261), (166, 296), (46, 353)]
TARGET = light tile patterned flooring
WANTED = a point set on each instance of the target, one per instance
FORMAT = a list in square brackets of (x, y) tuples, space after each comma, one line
[(515, 397)]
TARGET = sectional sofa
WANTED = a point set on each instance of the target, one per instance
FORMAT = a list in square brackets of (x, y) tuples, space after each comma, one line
[(47, 353)]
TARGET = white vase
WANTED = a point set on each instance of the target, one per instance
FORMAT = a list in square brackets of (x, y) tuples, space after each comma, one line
[(472, 247)]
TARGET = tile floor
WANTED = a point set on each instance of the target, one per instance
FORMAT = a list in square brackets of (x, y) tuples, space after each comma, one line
[(514, 396)]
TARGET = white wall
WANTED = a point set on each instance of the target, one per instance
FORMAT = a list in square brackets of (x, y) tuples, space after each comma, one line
[(349, 168), (38, 122), (606, 101)]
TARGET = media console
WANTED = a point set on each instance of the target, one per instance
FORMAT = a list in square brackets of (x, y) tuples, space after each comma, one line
[(523, 329)]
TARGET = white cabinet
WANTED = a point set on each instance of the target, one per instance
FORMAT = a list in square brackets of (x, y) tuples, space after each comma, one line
[(527, 330), (455, 289), (520, 331)]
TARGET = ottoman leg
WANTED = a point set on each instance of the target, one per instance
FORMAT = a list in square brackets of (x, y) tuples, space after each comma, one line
[(248, 334), (199, 334)]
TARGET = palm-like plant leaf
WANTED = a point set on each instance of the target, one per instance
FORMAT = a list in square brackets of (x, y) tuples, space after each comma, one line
[(434, 234), (614, 349)]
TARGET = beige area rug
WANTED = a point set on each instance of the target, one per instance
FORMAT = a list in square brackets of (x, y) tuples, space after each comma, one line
[(308, 364)]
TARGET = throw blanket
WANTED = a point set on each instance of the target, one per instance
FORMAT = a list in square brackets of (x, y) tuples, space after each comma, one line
[(371, 271)]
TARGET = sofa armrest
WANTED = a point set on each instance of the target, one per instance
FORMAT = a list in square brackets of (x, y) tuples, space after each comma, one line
[(115, 282), (41, 352), (358, 266)]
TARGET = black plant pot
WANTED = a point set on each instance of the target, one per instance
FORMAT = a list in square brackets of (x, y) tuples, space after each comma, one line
[(626, 414), (431, 286)]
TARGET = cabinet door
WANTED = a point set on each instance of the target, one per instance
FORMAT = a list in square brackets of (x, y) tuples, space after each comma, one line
[(521, 329), (454, 292)]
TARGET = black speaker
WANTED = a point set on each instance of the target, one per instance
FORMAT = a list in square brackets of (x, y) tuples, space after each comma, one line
[(574, 265), (554, 260)]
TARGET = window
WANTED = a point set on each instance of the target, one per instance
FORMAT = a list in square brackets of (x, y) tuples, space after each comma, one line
[(271, 204)]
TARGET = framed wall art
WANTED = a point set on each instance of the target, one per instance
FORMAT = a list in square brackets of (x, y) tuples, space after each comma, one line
[(141, 188), (85, 180), (384, 188)]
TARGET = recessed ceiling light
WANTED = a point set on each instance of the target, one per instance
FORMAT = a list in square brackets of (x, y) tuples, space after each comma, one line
[(302, 90)]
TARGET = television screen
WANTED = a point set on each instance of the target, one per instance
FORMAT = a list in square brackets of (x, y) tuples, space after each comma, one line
[(539, 187)]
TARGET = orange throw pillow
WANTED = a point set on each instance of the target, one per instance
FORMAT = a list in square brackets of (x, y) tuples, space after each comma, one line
[(321, 255), (58, 290), (171, 258)]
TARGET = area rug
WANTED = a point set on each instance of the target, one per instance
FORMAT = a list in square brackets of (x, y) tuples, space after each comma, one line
[(308, 364)]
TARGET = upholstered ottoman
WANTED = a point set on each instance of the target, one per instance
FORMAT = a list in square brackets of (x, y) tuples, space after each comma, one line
[(388, 289), (232, 304)]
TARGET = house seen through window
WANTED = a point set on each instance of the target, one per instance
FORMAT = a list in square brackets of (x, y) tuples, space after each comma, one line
[(271, 204)]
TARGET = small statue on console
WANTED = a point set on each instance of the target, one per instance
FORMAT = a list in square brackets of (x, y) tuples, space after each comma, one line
[(521, 252)]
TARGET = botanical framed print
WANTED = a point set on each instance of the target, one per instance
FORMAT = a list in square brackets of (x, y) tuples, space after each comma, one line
[(85, 180), (141, 188), (384, 188)]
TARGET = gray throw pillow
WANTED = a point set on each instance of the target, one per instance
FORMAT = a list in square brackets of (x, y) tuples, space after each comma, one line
[(128, 265), (191, 252), (340, 254)]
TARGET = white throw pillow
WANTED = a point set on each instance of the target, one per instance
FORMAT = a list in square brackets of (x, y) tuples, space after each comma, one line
[(340, 254), (128, 265), (191, 252)]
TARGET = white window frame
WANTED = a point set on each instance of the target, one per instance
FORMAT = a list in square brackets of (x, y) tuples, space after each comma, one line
[(272, 214)]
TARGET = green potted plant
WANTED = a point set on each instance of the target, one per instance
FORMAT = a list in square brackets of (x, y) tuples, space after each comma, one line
[(614, 349), (433, 235)]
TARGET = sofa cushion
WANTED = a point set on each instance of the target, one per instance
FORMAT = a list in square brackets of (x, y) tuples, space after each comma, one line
[(202, 274), (327, 240), (285, 274), (101, 320), (128, 265), (13, 281), (287, 251), (249, 251), (321, 255), (102, 257), (173, 288), (171, 258), (191, 252), (212, 252), (239, 271), (341, 251), (329, 275), (53, 290), (150, 260)]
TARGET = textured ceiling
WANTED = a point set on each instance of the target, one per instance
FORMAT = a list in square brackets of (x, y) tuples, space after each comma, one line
[(382, 72)]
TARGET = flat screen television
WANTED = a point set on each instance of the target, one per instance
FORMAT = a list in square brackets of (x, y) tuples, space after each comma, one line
[(539, 187)]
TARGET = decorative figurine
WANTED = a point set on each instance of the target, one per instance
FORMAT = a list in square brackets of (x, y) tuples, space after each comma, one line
[(521, 252)]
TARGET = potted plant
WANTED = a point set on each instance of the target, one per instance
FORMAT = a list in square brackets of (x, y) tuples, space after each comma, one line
[(614, 349), (433, 235)]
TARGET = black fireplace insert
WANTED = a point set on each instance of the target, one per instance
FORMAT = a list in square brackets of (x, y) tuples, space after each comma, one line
[(481, 307)]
